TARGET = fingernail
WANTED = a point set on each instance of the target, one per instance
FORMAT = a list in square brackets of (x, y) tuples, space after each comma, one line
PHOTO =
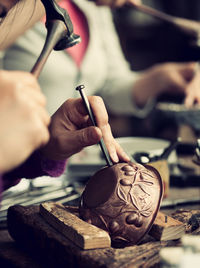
[(114, 157), (125, 156)]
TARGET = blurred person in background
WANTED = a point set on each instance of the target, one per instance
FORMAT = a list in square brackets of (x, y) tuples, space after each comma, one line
[(148, 42)]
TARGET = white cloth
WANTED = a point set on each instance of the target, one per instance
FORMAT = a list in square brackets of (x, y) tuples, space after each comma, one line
[(104, 70)]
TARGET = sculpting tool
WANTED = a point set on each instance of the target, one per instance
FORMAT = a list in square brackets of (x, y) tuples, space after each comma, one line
[(90, 113)]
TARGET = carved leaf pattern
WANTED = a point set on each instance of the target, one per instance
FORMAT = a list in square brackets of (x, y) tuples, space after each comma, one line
[(146, 213), (137, 176), (139, 200), (121, 194), (134, 201), (147, 173), (143, 188), (143, 179), (143, 210), (138, 194)]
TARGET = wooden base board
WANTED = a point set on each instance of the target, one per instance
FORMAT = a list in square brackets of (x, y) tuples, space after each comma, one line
[(47, 245), (86, 236)]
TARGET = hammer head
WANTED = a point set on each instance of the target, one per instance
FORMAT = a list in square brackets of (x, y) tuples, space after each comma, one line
[(55, 12)]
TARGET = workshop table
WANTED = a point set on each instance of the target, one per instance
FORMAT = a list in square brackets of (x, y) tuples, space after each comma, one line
[(43, 246)]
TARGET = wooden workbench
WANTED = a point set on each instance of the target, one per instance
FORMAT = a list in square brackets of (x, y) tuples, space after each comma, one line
[(40, 245)]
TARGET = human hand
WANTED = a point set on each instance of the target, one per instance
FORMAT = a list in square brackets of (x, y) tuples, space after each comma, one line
[(193, 90), (169, 78), (71, 130), (23, 118)]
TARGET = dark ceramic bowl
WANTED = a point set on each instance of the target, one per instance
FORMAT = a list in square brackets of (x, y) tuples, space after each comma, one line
[(182, 114)]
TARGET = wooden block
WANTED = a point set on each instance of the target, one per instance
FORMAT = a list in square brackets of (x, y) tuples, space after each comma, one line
[(81, 233), (163, 168), (166, 228)]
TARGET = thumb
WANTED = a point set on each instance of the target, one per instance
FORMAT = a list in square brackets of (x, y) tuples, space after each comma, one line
[(87, 136), (72, 142)]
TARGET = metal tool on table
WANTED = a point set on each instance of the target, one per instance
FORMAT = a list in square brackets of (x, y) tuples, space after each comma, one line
[(90, 113), (59, 33), (146, 157)]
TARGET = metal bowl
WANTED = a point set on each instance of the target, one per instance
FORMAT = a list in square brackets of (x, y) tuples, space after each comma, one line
[(123, 200)]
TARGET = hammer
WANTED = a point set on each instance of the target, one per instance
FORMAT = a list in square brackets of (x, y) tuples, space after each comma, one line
[(60, 33)]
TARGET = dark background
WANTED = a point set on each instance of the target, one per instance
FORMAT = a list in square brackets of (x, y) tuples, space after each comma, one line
[(146, 40)]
